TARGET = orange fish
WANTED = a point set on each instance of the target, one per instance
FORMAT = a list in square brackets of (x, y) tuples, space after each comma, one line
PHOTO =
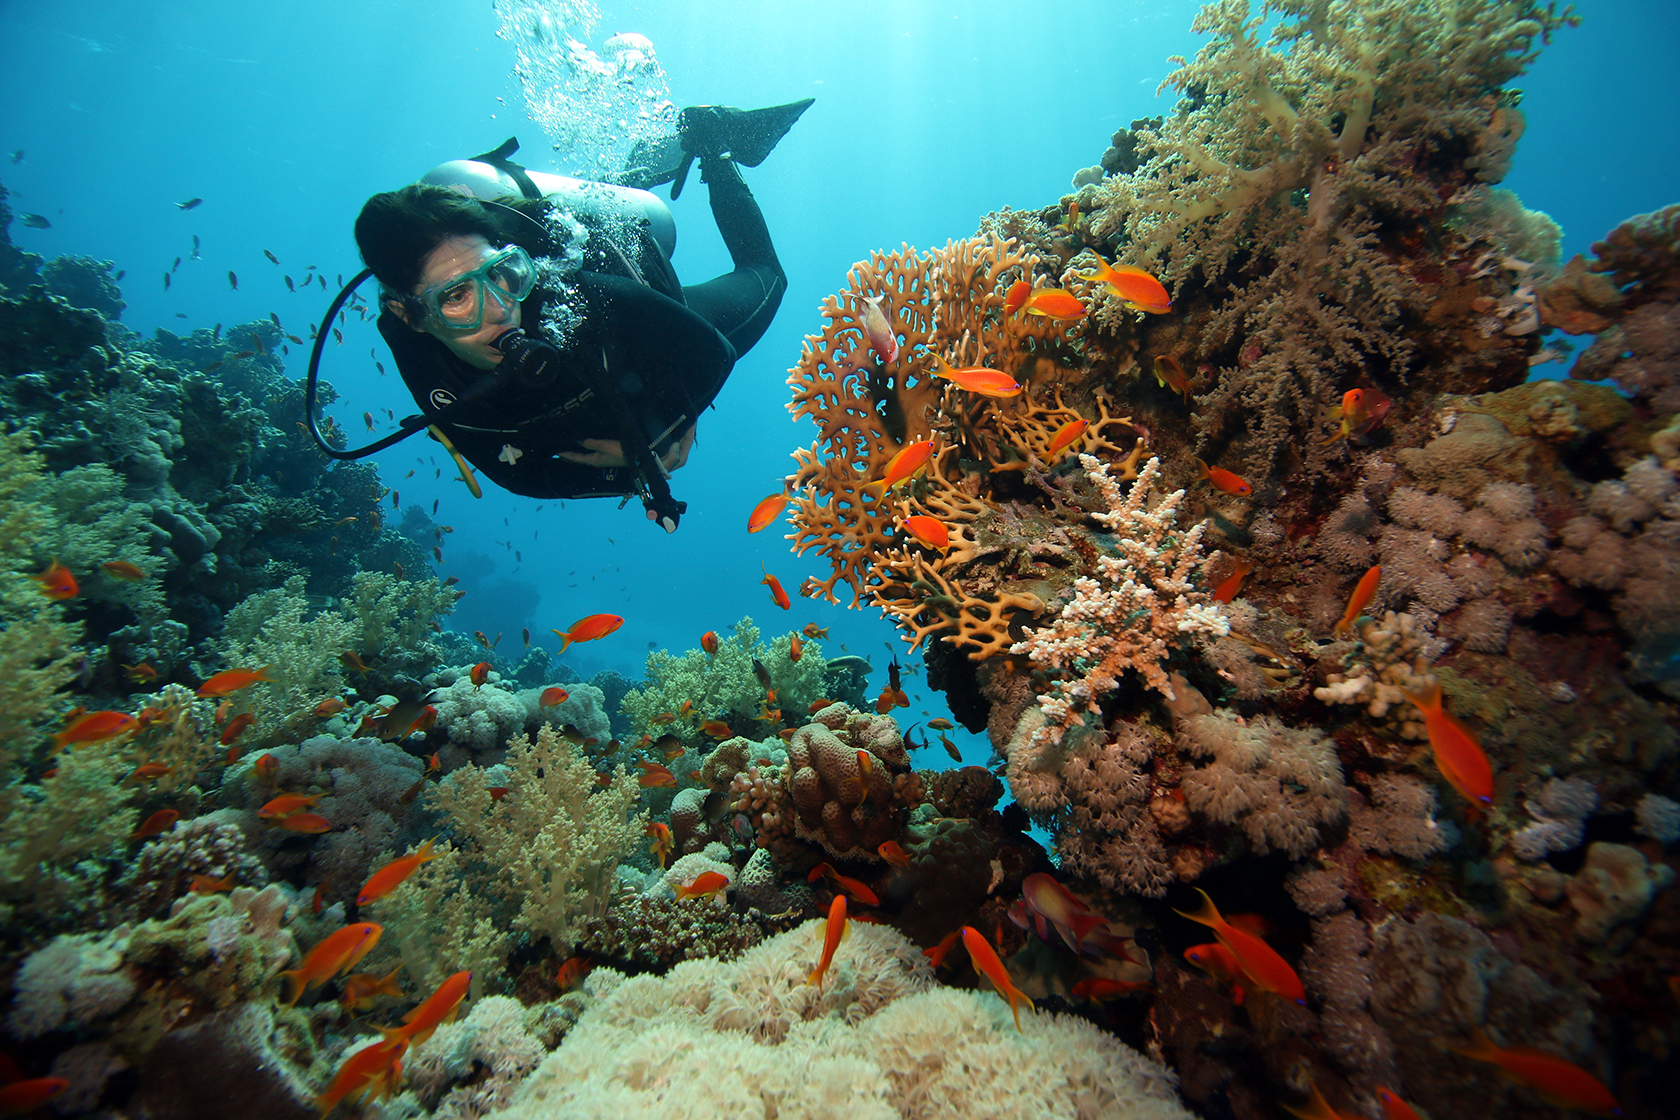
[(904, 465), (337, 952), (391, 876), (439, 1008), (941, 724), (777, 595), (832, 933), (877, 327), (1066, 436), (552, 696), (1050, 901), (1054, 303), (1357, 602), (94, 727), (359, 992), (1136, 288), (1259, 960), (588, 629), (860, 892), (479, 674), (662, 842), (765, 513), (1393, 1107), (936, 955), (1223, 479), (1013, 299), (267, 766), (812, 630), (329, 707), (374, 1071), (572, 972), (977, 379), (57, 583), (866, 766), (203, 884), (1102, 988), (1170, 375), (498, 792), (159, 821), (818, 705), (890, 851), (310, 823), (889, 699), (236, 727), (232, 680), (655, 776), (796, 649), (1222, 964), (151, 771), (986, 961), (930, 532), (1361, 412), (350, 661), (123, 570), (709, 642), (707, 885), (26, 1096), (142, 672), (1317, 1108), (286, 804), (1459, 756), (1231, 584)]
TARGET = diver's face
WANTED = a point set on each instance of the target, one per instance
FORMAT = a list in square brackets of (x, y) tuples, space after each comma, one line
[(453, 257)]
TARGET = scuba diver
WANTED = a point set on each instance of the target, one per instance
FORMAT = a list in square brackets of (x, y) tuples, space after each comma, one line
[(540, 326)]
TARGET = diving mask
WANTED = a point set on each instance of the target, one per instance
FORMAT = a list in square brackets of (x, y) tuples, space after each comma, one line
[(457, 304)]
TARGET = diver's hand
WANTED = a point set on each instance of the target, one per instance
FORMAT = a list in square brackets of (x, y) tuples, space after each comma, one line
[(677, 456), (601, 453)]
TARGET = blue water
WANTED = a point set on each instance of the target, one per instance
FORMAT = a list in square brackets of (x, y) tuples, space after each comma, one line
[(284, 117)]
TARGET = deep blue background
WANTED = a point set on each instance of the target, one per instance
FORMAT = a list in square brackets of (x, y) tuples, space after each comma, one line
[(285, 116)]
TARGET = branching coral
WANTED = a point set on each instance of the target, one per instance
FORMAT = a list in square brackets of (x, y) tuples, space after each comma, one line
[(551, 845), (439, 926)]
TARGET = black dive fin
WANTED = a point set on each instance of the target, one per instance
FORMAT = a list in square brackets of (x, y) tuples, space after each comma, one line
[(746, 136)]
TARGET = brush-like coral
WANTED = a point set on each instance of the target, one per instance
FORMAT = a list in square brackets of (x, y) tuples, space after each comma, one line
[(73, 981), (470, 1068), (552, 844), (55, 832), (1658, 817), (1280, 785), (1560, 812), (299, 645)]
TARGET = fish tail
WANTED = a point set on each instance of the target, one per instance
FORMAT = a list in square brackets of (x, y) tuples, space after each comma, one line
[(1427, 698), (296, 979), (1208, 914), (1317, 1107), (1203, 467), (1481, 1046), (1014, 994), (565, 639)]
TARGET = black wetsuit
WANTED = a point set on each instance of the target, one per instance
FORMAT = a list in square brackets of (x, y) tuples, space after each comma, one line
[(667, 349)]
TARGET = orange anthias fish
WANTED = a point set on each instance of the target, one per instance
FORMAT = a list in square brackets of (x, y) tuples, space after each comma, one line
[(904, 465), (1136, 288), (288, 803), (236, 727), (1362, 412), (1563, 1083), (877, 327), (662, 842), (890, 851), (1050, 901), (706, 885), (1066, 436), (796, 648), (1054, 303), (94, 727), (1013, 299), (986, 962), (936, 955), (1259, 960), (230, 681), (1317, 1108), (587, 629), (832, 933), (1222, 964), (717, 729), (1359, 600), (331, 706), (859, 891), (159, 821), (141, 673), (812, 630), (553, 695), (1393, 1107), (977, 379), (1231, 584), (1102, 988), (266, 767), (337, 952), (1223, 479), (479, 673), (311, 823), (373, 1070), (777, 595), (764, 514), (350, 660), (204, 884), (57, 583), (391, 876), (439, 1008), (1170, 375), (930, 532), (655, 776), (709, 642), (26, 1096), (572, 972), (359, 992), (151, 771), (123, 570), (1459, 756)]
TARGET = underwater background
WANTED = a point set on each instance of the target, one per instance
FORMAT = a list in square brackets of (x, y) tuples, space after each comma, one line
[(176, 173)]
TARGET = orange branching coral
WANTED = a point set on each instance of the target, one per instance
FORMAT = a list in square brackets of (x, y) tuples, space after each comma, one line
[(949, 303)]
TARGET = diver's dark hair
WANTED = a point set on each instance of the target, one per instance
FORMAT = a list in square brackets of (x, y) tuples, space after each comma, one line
[(397, 229)]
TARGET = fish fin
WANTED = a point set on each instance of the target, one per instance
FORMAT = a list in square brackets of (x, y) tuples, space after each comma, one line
[(395, 1034), (1427, 698), (1208, 914), (294, 977), (1206, 474), (1317, 1107), (565, 639)]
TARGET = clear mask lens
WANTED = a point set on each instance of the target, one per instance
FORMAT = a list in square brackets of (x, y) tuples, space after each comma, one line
[(508, 275)]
